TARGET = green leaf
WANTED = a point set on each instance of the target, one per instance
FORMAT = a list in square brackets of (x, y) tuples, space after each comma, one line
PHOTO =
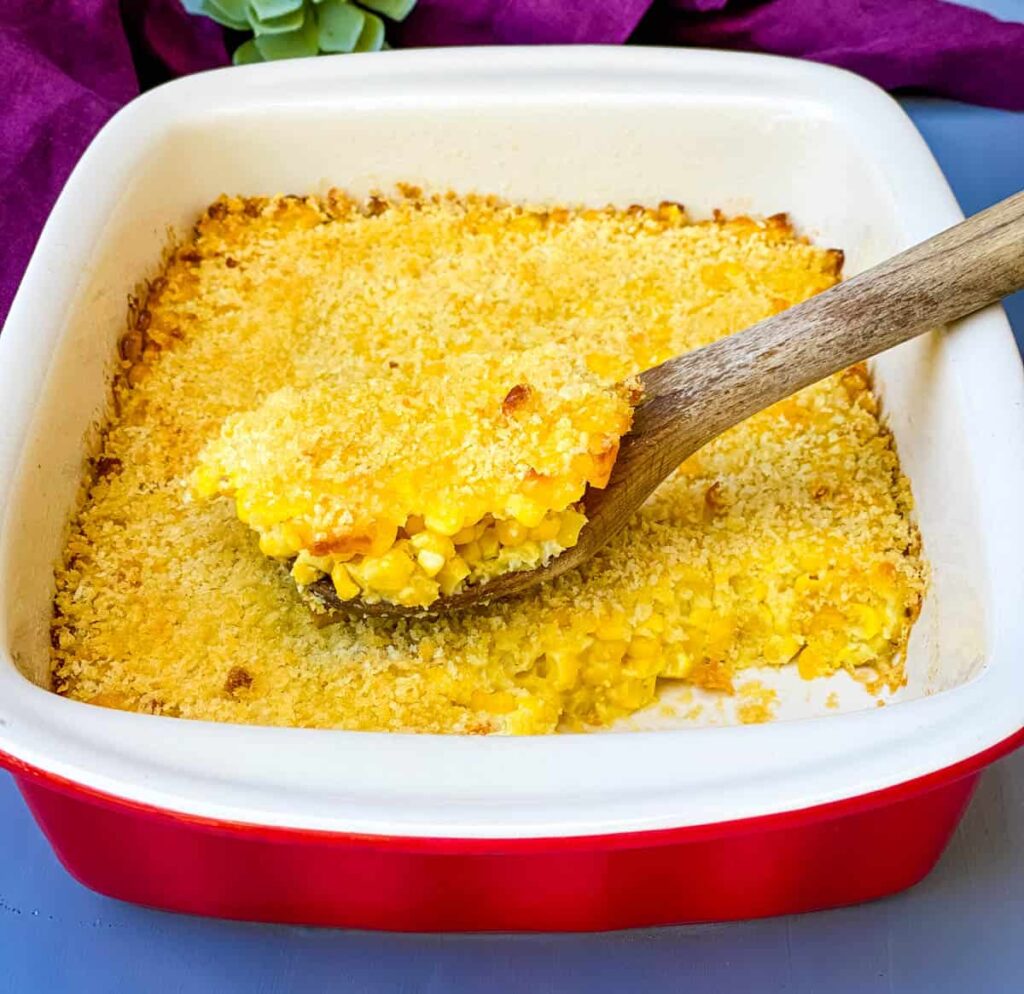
[(230, 13), (246, 54), (266, 10), (372, 36), (276, 25), (290, 44), (397, 10), (341, 26)]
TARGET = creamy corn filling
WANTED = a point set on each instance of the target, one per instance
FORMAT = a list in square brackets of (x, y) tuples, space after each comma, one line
[(786, 541), (412, 481)]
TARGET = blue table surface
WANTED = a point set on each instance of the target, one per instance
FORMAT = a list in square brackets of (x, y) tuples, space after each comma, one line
[(960, 930)]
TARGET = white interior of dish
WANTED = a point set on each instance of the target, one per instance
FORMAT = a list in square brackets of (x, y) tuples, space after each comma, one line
[(743, 134)]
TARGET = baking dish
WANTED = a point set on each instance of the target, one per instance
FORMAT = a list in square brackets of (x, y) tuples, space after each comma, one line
[(661, 823)]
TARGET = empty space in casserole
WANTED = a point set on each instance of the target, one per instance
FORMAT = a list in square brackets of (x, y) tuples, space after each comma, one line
[(786, 541)]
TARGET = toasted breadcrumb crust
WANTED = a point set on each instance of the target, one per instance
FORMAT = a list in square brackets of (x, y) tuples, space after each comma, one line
[(786, 540)]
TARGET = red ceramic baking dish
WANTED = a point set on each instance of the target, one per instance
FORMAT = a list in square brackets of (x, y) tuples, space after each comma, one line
[(661, 821)]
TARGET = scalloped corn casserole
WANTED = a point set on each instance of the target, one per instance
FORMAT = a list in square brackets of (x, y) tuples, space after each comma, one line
[(408, 394)]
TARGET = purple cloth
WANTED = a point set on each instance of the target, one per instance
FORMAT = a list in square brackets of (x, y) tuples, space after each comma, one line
[(67, 65), (928, 45), (520, 22)]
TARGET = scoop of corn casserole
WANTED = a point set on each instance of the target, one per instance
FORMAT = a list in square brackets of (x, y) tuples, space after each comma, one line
[(412, 480), (786, 541)]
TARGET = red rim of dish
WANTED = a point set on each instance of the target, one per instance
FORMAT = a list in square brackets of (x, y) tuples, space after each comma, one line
[(442, 845)]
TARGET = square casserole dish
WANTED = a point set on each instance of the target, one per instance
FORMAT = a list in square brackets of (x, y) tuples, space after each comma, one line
[(672, 824)]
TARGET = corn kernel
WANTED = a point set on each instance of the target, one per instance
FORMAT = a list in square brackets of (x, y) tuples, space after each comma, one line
[(419, 592), (471, 553), (465, 535), (207, 481), (825, 620), (445, 523), (607, 651), (780, 649), (867, 620), (652, 625), (244, 507), (440, 545), (430, 562), (383, 538), (547, 530), (499, 702), (305, 574), (279, 542), (344, 586), (811, 663), (510, 532), (414, 524), (525, 511), (644, 648), (453, 573), (630, 695), (570, 527), (678, 664), (613, 628), (489, 544), (563, 667), (388, 573)]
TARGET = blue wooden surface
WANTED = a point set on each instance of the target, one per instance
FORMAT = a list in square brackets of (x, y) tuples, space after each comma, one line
[(961, 930)]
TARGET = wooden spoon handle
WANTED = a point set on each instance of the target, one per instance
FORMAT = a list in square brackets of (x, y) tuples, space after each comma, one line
[(695, 397)]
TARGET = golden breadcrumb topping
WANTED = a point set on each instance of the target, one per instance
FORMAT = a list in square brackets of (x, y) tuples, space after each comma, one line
[(412, 479), (785, 541)]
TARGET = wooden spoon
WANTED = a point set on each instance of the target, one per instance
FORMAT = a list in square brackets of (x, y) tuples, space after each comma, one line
[(693, 398)]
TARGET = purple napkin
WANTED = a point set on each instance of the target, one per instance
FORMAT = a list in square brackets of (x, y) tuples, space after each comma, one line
[(520, 22), (941, 48), (67, 65), (928, 45)]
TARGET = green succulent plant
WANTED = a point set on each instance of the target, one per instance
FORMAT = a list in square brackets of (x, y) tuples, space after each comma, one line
[(289, 29)]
